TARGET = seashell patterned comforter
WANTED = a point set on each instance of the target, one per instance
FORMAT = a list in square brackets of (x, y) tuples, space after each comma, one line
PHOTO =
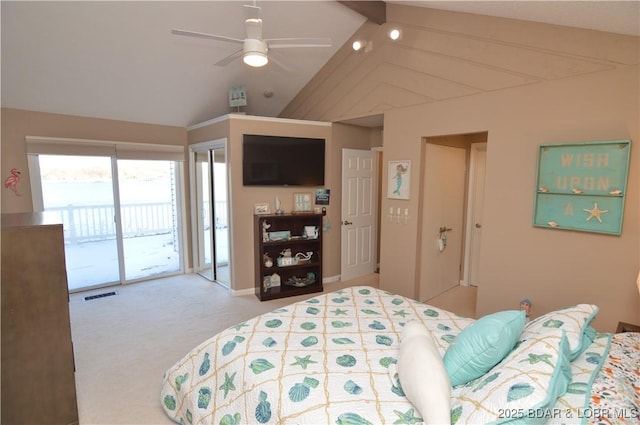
[(325, 361)]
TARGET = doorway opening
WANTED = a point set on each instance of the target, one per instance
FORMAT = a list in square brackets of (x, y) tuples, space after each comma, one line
[(210, 206), (451, 212)]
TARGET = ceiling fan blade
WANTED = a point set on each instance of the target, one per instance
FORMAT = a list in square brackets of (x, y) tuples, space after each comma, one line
[(276, 61), (226, 61), (281, 43), (205, 35)]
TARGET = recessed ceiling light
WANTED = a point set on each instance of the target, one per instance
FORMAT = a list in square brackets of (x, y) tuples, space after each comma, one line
[(395, 34), (357, 45)]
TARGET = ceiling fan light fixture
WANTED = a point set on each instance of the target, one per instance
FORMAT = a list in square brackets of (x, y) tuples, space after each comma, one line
[(255, 59), (255, 53)]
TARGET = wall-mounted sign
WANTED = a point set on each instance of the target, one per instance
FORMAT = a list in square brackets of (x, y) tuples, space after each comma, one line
[(582, 186), (237, 96), (323, 196)]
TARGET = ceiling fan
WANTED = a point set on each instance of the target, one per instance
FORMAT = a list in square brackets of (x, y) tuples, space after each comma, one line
[(255, 49)]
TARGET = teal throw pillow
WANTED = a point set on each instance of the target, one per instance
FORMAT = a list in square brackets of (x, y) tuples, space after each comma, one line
[(482, 345)]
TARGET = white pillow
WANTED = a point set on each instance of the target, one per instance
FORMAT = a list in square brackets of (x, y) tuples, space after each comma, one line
[(422, 375)]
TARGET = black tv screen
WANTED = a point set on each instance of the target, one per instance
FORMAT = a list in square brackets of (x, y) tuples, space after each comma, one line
[(282, 161)]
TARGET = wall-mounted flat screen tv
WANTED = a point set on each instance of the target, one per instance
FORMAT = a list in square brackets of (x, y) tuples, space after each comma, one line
[(282, 161)]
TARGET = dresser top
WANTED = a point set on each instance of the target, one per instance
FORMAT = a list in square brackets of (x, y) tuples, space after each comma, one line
[(29, 219)]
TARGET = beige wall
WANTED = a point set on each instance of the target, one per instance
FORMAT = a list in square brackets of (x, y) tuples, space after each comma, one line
[(243, 198), (16, 124), (553, 268), (525, 84)]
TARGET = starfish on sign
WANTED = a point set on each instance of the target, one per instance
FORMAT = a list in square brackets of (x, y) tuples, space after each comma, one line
[(595, 212)]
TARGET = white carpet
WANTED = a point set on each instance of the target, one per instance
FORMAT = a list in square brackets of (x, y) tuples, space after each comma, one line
[(123, 344)]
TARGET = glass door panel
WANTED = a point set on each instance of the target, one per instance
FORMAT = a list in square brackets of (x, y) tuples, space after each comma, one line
[(81, 193), (203, 258), (150, 217), (221, 220)]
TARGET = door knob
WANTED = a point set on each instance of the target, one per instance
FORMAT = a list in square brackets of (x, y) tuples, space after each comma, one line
[(478, 225), (347, 223)]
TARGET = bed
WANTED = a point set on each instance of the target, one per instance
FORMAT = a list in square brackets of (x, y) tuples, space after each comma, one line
[(329, 360)]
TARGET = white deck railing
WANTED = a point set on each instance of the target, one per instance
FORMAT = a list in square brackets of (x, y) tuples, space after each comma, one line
[(97, 222)]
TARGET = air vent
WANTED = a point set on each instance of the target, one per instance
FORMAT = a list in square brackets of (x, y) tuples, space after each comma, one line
[(95, 297)]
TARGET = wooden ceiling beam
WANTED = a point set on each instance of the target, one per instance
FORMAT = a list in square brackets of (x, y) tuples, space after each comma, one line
[(375, 11)]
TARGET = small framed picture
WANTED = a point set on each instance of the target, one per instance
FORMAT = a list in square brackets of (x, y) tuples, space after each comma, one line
[(302, 201), (261, 208), (399, 179)]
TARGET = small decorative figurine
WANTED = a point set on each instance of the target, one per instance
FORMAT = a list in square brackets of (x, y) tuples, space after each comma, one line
[(277, 204), (525, 305), (265, 235), (268, 262)]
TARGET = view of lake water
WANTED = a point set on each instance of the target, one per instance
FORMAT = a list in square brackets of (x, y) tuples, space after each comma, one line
[(62, 194)]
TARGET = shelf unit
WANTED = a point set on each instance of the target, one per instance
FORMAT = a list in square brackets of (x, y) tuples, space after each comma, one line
[(298, 243)]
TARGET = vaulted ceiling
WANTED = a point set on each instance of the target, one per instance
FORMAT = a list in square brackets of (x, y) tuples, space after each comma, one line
[(119, 60), (443, 55)]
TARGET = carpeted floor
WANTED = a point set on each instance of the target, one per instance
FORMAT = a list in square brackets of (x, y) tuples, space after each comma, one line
[(124, 343)]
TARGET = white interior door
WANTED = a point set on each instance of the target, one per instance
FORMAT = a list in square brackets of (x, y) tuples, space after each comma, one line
[(442, 219), (358, 229), (474, 211)]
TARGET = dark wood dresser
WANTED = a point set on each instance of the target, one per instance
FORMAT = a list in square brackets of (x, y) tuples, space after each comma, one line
[(38, 371)]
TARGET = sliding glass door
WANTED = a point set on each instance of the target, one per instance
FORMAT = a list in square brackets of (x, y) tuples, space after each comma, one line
[(150, 218), (121, 218), (80, 191)]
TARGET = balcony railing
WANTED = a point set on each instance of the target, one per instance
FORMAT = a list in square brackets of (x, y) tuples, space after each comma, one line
[(97, 222)]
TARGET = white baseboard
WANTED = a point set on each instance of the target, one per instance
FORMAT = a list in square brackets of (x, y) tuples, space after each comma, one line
[(331, 279), (241, 292)]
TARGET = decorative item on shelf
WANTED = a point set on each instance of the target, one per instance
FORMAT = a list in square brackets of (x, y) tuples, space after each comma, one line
[(283, 235), (274, 280), (277, 204), (261, 208), (268, 262), (299, 282), (302, 202), (265, 234), (310, 232), (266, 283), (303, 258), (286, 259)]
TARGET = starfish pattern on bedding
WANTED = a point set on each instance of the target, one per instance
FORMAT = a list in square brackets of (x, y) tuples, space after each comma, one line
[(228, 384), (339, 311), (400, 313), (536, 358), (239, 326), (303, 361), (407, 418)]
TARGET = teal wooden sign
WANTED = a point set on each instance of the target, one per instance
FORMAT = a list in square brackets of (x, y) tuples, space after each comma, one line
[(582, 186)]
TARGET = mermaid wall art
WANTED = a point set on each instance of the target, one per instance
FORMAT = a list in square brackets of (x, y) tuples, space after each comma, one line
[(399, 173)]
